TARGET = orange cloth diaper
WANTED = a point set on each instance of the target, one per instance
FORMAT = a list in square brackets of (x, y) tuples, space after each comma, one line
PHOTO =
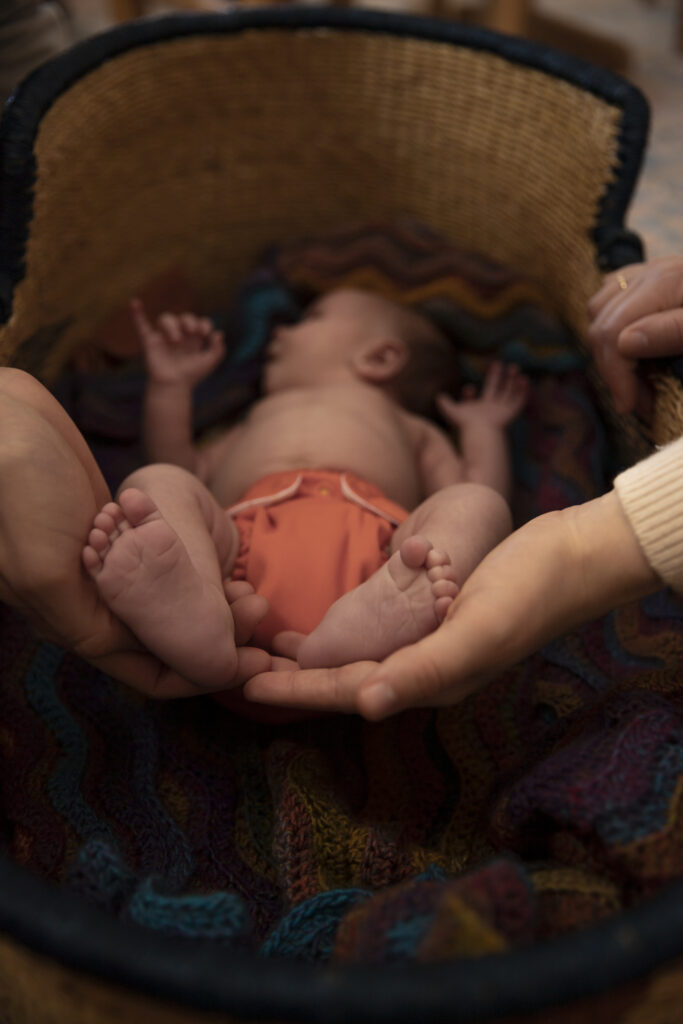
[(306, 538)]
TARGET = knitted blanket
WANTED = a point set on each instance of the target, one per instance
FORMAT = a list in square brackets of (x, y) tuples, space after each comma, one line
[(544, 803)]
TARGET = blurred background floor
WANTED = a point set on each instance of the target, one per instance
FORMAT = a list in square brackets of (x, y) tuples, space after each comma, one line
[(648, 31)]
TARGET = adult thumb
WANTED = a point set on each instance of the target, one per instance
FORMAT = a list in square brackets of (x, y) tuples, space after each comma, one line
[(429, 673), (653, 336)]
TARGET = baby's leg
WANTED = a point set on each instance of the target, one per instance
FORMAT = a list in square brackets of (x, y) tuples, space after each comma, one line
[(432, 553), (159, 555)]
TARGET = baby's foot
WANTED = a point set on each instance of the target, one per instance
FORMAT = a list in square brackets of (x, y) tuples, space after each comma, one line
[(400, 603), (144, 574)]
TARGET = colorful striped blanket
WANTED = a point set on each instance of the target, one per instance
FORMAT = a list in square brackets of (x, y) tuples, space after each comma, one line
[(546, 802)]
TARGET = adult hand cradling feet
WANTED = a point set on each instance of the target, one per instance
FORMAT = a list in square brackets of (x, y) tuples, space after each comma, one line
[(51, 490), (558, 570)]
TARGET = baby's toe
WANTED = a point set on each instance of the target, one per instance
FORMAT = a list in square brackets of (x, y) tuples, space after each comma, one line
[(92, 560), (113, 510), (234, 589), (415, 551), (436, 558), (107, 524), (112, 520), (445, 588), (136, 506), (441, 572), (98, 540), (441, 606)]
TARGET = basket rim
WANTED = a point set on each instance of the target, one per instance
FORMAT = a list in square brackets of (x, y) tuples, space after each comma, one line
[(63, 926), (33, 97)]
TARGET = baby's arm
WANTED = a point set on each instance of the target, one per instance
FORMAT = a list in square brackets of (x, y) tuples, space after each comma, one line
[(482, 425), (179, 351)]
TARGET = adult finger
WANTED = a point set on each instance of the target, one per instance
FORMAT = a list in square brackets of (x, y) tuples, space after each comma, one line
[(319, 689), (622, 309), (613, 284), (653, 336), (606, 293), (148, 675), (617, 282), (479, 637), (657, 289), (251, 661), (282, 664), (619, 374)]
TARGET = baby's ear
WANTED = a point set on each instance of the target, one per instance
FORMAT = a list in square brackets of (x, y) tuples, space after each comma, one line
[(381, 360)]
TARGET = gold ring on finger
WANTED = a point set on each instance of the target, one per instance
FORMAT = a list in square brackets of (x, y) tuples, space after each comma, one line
[(623, 283)]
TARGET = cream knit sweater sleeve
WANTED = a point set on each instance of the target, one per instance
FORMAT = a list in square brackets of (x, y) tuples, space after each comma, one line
[(651, 495)]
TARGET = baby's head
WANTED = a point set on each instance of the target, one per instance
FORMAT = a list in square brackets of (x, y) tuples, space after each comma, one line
[(350, 334)]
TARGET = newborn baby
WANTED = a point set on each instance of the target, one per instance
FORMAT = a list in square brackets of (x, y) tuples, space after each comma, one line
[(334, 499)]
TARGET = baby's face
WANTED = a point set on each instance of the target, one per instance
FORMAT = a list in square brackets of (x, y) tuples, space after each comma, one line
[(319, 347)]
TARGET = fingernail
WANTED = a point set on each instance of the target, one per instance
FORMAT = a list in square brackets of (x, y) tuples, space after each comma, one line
[(378, 699)]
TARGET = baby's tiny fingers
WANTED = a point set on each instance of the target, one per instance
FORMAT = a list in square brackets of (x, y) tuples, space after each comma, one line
[(169, 324), (190, 323), (447, 405), (140, 318), (494, 378)]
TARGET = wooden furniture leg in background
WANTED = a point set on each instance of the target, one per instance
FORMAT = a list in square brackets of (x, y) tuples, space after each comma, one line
[(127, 10), (516, 17), (511, 16), (520, 17)]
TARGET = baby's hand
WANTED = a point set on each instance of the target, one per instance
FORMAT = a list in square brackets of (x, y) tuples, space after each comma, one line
[(502, 398), (180, 349)]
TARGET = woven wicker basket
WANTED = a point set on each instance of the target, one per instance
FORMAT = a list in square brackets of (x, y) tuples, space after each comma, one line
[(194, 141)]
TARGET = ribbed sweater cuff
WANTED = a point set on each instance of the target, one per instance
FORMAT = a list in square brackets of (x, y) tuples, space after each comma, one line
[(651, 494)]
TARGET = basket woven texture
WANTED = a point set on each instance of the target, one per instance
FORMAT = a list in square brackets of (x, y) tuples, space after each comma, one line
[(191, 143)]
